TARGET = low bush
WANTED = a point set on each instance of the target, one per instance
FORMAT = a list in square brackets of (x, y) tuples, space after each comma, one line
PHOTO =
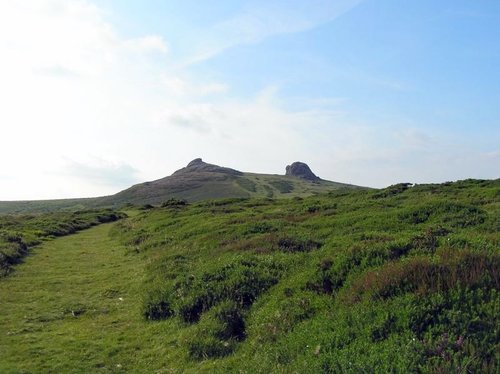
[(423, 275), (447, 213), (392, 190), (291, 244), (240, 281), (218, 332), (157, 306), (174, 203)]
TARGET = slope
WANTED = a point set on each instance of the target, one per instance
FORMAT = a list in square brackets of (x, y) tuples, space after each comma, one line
[(399, 280), (197, 181), (200, 181)]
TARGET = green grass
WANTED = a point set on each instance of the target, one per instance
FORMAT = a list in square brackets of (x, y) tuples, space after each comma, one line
[(404, 279), (21, 232), (74, 307)]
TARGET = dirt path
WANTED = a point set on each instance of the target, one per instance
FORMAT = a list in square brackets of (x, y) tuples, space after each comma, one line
[(73, 306)]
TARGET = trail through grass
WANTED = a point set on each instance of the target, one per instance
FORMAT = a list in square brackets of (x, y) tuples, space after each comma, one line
[(73, 306)]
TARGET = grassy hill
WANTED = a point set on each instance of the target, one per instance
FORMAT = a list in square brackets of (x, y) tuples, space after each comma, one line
[(201, 181), (197, 181), (404, 279)]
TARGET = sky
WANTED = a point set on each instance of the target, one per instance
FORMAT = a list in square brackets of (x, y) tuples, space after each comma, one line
[(97, 95)]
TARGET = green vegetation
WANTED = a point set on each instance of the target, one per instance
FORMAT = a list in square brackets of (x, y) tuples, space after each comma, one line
[(404, 279), (19, 233), (47, 206)]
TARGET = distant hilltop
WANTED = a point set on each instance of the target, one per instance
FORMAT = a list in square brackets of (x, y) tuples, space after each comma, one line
[(198, 180)]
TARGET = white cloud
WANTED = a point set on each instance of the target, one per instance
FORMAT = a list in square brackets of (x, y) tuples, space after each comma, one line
[(150, 43)]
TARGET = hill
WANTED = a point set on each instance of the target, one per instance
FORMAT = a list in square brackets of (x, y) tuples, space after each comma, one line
[(404, 279), (200, 181), (197, 181)]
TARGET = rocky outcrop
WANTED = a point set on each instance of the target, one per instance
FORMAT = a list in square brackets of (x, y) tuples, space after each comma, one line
[(301, 170), (199, 166)]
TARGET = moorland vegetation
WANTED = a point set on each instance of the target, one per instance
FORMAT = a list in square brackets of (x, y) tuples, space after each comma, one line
[(403, 279)]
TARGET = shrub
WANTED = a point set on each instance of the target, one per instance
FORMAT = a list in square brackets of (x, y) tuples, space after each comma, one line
[(453, 214), (232, 325), (454, 328), (261, 228), (289, 244), (156, 310), (240, 281), (218, 332), (392, 190), (174, 203), (284, 316), (422, 275)]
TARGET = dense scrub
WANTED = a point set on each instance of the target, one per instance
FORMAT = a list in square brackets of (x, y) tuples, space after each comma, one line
[(404, 279), (18, 233)]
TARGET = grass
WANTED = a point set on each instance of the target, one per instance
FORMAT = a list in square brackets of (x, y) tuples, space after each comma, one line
[(74, 306), (404, 279), (19, 233)]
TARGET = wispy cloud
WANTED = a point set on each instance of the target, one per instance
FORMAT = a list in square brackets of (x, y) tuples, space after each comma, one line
[(260, 20), (413, 138)]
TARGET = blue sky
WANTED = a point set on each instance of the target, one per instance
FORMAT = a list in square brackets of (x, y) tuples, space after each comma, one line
[(106, 93)]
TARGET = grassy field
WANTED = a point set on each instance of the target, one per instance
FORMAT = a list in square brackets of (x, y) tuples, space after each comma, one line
[(404, 279), (74, 307)]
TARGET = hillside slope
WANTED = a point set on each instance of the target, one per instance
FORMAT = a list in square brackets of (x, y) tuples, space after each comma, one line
[(197, 181), (200, 181), (405, 279)]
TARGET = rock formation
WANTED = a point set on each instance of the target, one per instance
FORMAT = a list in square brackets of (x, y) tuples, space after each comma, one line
[(301, 170)]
